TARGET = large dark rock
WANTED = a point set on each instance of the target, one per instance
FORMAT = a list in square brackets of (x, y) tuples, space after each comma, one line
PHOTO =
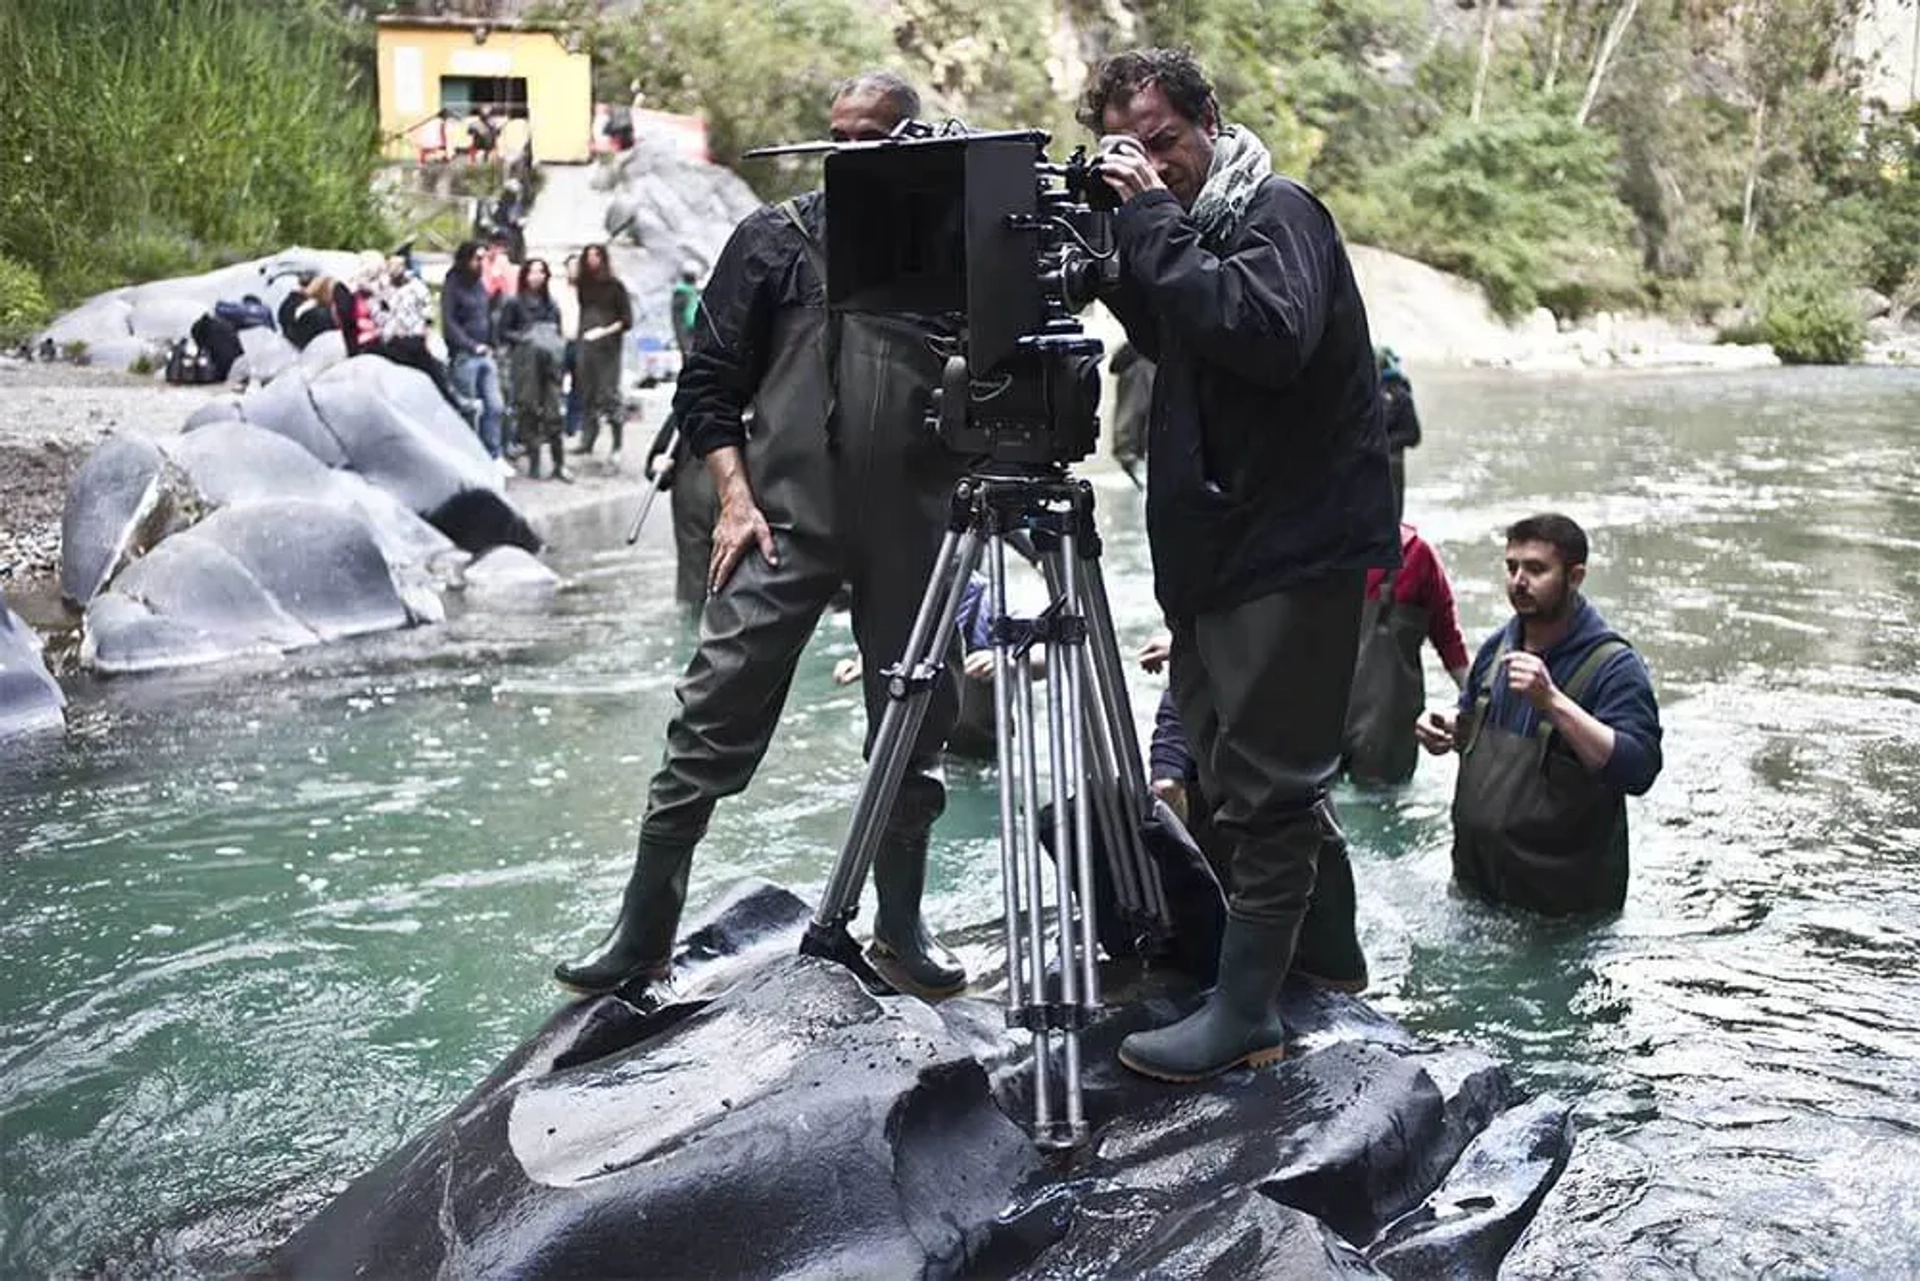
[(773, 1118), (30, 699)]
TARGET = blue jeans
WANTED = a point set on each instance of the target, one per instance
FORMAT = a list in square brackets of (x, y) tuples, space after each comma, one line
[(478, 378)]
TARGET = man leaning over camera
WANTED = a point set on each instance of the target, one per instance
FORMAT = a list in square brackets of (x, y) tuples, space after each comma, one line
[(1268, 499), (834, 483)]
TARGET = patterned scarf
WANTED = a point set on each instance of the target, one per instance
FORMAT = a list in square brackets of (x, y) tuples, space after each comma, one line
[(1240, 164)]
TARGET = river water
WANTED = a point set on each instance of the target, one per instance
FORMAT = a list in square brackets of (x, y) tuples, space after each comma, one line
[(262, 924)]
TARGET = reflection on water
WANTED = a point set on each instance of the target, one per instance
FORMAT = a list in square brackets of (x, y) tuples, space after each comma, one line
[(262, 924)]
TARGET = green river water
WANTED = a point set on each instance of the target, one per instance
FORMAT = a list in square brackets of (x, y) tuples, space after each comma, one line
[(261, 924)]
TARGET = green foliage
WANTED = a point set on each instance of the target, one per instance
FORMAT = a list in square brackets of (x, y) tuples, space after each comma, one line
[(1810, 318), (758, 73), (222, 127), (1523, 203), (23, 302)]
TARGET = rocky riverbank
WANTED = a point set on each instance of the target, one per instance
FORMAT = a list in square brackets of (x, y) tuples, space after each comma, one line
[(52, 415)]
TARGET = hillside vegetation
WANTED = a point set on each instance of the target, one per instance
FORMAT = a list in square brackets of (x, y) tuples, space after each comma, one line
[(1708, 158)]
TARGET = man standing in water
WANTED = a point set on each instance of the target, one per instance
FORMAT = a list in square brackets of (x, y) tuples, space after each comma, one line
[(1556, 727), (833, 484), (1268, 500)]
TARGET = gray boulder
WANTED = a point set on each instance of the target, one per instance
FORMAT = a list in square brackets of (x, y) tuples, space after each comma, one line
[(510, 577), (666, 210), (113, 511), (30, 699), (230, 464), (124, 324), (249, 579), (286, 406), (264, 355)]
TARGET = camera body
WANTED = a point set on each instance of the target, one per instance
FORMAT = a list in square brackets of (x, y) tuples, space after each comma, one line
[(982, 227)]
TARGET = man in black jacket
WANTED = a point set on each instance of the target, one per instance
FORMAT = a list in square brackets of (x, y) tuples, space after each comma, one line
[(1268, 499), (836, 482)]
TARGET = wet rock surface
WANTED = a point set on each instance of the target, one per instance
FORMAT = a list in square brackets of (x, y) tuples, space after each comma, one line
[(30, 699), (770, 1116)]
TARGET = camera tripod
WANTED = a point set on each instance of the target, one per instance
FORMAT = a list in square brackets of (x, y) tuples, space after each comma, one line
[(1093, 768)]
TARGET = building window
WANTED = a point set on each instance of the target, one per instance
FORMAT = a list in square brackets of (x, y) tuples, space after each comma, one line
[(464, 95)]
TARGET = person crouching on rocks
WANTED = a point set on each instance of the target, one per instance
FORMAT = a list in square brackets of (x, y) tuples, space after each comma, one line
[(529, 324), (606, 314)]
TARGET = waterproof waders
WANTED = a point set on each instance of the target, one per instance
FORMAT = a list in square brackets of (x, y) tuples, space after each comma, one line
[(1389, 690), (1531, 826), (857, 433), (1262, 693)]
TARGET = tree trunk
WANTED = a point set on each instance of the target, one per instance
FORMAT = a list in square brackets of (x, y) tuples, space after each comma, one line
[(1753, 178), (1492, 8), (1553, 49), (1616, 32)]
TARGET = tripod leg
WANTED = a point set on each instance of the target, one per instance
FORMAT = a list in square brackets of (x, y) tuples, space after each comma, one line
[(1072, 687), (893, 745), (1067, 839), (1115, 708), (1035, 895), (1005, 751)]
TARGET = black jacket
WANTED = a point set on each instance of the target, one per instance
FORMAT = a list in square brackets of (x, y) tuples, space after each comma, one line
[(1266, 456), (762, 271)]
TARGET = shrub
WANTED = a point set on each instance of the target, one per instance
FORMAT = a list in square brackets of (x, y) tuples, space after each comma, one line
[(1810, 317), (23, 302)]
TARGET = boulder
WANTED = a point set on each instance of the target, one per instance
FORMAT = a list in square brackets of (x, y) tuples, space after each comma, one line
[(510, 577), (769, 1116), (264, 355), (249, 579), (123, 324), (30, 699), (665, 210), (113, 511)]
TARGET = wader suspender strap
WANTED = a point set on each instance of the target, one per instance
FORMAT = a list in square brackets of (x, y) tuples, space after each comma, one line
[(1575, 688), (1388, 586), (817, 259)]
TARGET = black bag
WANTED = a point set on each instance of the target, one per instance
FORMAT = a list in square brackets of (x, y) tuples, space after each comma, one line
[(1194, 899), (188, 366)]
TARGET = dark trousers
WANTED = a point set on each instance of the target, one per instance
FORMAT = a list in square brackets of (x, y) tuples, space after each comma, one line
[(1262, 691)]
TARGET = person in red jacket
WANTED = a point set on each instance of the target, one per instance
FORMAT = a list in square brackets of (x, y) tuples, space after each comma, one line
[(1403, 608)]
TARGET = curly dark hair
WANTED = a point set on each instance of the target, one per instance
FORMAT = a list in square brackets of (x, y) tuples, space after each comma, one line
[(1176, 71)]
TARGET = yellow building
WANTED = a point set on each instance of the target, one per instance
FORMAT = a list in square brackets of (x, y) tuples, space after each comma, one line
[(436, 73)]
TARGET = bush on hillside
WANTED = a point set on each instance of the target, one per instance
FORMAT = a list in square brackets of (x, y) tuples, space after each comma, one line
[(1811, 318), (23, 302), (1522, 203)]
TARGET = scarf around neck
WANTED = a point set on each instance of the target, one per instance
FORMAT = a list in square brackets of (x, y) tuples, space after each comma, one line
[(1241, 163)]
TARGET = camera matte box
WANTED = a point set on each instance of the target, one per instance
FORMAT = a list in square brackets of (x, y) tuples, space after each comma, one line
[(928, 227)]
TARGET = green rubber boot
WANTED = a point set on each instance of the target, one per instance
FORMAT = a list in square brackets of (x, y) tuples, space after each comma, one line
[(903, 951), (641, 941), (1239, 1024), (1328, 952)]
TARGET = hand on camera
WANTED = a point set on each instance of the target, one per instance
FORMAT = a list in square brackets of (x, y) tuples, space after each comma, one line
[(979, 665), (847, 671), (1125, 167)]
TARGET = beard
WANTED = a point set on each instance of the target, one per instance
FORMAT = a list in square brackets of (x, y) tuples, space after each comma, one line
[(1542, 607)]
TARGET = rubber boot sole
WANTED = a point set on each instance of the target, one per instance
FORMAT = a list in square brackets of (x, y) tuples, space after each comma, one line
[(888, 965), (1252, 1059), (608, 989)]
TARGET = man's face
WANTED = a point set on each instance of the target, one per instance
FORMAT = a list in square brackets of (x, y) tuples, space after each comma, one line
[(1181, 150), (1540, 586), (863, 115)]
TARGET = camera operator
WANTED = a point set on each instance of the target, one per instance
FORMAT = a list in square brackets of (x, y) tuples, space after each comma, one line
[(837, 481), (1268, 499)]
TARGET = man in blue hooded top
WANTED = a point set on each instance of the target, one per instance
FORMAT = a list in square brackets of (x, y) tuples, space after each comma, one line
[(1556, 727)]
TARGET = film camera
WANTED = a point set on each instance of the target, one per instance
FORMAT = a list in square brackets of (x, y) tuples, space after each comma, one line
[(983, 227)]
